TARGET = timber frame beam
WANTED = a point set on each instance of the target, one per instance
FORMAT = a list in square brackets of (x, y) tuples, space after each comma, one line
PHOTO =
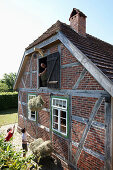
[(83, 93)]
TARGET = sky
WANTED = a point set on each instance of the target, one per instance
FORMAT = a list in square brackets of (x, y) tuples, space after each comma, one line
[(23, 21)]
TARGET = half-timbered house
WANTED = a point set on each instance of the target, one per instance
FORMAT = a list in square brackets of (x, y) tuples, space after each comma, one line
[(78, 94)]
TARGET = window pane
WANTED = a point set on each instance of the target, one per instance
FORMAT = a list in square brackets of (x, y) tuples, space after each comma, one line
[(55, 126), (54, 102), (63, 129), (63, 121), (64, 104), (63, 114), (60, 103), (32, 115), (55, 112), (55, 119), (30, 97), (57, 102)]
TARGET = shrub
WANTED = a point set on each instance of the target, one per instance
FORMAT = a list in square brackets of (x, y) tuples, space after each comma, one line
[(12, 160), (3, 87), (8, 100)]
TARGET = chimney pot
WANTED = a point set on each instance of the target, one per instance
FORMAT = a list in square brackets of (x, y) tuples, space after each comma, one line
[(78, 21)]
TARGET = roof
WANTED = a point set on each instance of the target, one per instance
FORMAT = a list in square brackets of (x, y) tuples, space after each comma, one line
[(99, 52)]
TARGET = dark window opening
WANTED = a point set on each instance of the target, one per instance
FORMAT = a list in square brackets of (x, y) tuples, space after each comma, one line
[(33, 115), (49, 71), (43, 72)]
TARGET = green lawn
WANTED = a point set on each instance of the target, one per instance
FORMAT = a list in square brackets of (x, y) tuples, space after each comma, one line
[(8, 117)]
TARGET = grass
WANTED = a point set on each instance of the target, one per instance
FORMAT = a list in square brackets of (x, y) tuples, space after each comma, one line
[(8, 117)]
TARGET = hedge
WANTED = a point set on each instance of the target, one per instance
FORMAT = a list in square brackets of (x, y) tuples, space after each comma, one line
[(8, 100)]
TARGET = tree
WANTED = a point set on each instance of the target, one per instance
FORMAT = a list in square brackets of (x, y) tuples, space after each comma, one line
[(3, 87), (9, 80)]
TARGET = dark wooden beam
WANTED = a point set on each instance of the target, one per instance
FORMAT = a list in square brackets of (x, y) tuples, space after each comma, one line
[(108, 142), (85, 121), (70, 65), (80, 78), (83, 93)]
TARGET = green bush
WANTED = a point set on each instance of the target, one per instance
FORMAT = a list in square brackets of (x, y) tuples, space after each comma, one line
[(3, 87), (12, 160), (8, 100)]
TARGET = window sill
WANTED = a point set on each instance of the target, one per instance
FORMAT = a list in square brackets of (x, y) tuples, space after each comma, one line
[(34, 120)]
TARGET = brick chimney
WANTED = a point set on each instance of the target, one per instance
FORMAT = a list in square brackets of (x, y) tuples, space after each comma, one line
[(78, 21)]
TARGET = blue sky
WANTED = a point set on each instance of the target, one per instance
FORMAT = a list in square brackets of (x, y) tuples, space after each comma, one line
[(22, 21)]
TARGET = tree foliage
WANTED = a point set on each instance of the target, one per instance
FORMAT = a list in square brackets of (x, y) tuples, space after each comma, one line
[(9, 80), (3, 87)]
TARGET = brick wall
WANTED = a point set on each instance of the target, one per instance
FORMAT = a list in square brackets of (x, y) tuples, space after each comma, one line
[(89, 83), (70, 75), (42, 133), (23, 96), (34, 64), (32, 128), (34, 80), (60, 145), (96, 140), (66, 56), (82, 106), (44, 118), (77, 130), (89, 162)]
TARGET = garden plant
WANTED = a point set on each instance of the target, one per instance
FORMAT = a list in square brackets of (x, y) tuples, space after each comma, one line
[(10, 159)]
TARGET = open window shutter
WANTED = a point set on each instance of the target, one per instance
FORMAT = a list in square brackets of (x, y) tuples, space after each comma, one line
[(53, 70)]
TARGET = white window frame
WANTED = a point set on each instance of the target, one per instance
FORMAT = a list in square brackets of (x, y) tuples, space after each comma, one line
[(59, 108), (29, 111)]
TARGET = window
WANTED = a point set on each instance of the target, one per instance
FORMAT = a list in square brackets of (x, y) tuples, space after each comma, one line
[(31, 114), (49, 67), (60, 115), (43, 72)]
